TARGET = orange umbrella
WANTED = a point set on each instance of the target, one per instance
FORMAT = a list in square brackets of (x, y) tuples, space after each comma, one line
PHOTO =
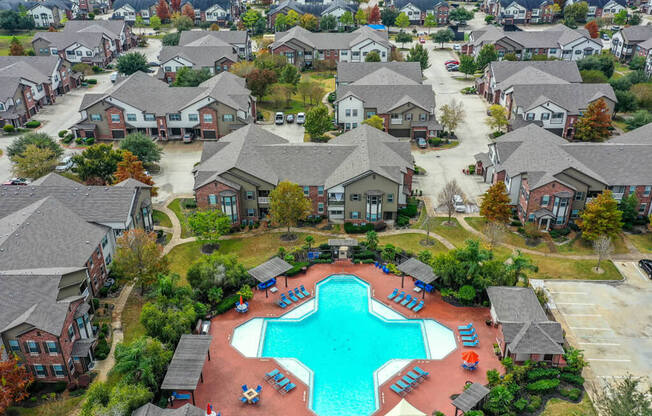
[(470, 356)]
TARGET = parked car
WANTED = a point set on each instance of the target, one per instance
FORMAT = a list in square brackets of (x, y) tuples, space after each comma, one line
[(64, 165), (459, 204), (451, 61), (646, 266), (187, 137), (422, 40), (605, 36), (153, 63), (290, 118), (457, 47), (422, 143), (113, 77), (453, 67), (301, 118), (279, 118), (17, 181)]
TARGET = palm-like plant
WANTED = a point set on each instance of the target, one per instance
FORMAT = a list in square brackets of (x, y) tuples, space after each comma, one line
[(521, 264)]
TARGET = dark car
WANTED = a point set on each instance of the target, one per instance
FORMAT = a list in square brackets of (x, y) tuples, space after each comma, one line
[(450, 68), (17, 181), (646, 266)]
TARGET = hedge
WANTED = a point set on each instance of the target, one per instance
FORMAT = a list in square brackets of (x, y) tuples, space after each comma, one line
[(296, 268), (364, 255), (8, 128), (540, 373), (411, 210), (32, 124), (351, 228), (402, 221), (543, 386), (520, 404), (321, 261), (572, 379), (572, 394), (91, 81), (226, 304), (535, 404)]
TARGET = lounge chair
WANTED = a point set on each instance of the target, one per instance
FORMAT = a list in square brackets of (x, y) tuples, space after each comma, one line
[(243, 399), (255, 400), (471, 344), (469, 339), (271, 374), (298, 293), (468, 333), (276, 378), (259, 388), (285, 299), (399, 297), (410, 381), (405, 386), (304, 291), (413, 303), (281, 383), (421, 372), (291, 295), (287, 388), (393, 294), (281, 304), (397, 390), (178, 396), (418, 307), (465, 327), (417, 377), (407, 300), (244, 387)]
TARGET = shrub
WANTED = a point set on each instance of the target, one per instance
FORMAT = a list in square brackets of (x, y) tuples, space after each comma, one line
[(572, 379), (402, 221), (96, 69), (102, 349), (96, 303), (89, 140), (411, 210), (296, 269), (352, 228), (32, 124), (466, 293), (12, 411), (227, 303), (535, 403), (59, 387), (435, 142), (520, 404), (562, 232), (67, 139), (539, 373), (572, 394), (189, 203), (8, 128), (62, 133), (516, 224), (91, 81), (104, 291), (78, 140), (543, 386), (363, 255), (324, 246), (531, 231)]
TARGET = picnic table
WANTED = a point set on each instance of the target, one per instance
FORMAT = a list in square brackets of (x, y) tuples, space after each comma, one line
[(250, 395)]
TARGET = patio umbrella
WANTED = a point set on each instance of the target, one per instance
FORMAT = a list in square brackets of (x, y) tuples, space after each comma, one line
[(404, 408), (470, 356), (240, 299)]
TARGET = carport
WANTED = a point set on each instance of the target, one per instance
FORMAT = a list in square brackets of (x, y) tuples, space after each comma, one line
[(186, 368), (267, 273), (421, 272)]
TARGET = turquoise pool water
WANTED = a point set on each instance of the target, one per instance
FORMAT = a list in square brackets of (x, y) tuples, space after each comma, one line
[(343, 344)]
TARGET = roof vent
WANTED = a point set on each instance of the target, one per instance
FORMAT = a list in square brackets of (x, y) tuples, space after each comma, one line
[(88, 242)]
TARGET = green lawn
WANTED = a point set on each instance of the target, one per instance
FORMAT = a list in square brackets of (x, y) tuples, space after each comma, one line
[(181, 214), (511, 238), (412, 243), (161, 218), (131, 326), (453, 232), (556, 268), (643, 242), (558, 407), (63, 407), (5, 40)]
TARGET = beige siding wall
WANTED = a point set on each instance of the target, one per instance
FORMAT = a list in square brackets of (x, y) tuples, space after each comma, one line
[(361, 186)]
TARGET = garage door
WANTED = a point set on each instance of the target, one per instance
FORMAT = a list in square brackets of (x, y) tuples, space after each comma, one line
[(399, 132), (418, 134)]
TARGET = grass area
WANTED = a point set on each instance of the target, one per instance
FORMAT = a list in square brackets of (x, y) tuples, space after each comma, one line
[(412, 243), (251, 251), (325, 79), (181, 214), (131, 326), (5, 40), (452, 232), (558, 407), (64, 407), (511, 238), (161, 218), (643, 242)]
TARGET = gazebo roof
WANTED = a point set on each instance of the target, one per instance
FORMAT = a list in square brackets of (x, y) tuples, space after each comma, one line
[(187, 363), (270, 269), (418, 270), (470, 397), (348, 242)]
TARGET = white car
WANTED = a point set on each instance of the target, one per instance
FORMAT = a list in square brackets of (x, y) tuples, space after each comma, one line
[(64, 165), (459, 204), (113, 77), (457, 47), (279, 118), (301, 118)]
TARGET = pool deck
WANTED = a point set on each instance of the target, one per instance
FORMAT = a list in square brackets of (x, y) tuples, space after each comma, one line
[(228, 369)]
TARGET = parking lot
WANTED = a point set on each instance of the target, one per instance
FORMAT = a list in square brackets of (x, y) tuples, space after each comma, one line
[(292, 132), (611, 322)]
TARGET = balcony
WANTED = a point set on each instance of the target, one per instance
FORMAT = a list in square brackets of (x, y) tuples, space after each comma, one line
[(263, 200), (396, 120), (618, 196), (335, 202)]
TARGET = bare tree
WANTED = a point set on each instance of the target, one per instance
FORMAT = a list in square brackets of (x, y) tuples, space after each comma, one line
[(602, 247), (451, 115), (446, 197), (495, 231)]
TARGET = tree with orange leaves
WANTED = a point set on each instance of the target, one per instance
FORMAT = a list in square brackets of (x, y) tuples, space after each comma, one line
[(163, 11), (132, 167), (374, 15), (14, 381), (593, 29), (175, 5), (187, 10), (594, 125)]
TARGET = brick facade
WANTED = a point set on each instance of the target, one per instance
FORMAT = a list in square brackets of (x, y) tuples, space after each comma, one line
[(116, 125), (214, 188), (316, 199), (210, 125), (96, 270), (535, 197)]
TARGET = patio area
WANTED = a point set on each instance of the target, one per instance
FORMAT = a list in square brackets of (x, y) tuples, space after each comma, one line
[(228, 370)]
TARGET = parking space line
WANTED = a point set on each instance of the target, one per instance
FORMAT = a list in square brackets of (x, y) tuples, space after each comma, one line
[(574, 303), (583, 314), (599, 343), (614, 360), (568, 293), (590, 329)]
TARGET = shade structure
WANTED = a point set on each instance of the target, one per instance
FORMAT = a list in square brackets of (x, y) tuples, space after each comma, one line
[(470, 356), (404, 408)]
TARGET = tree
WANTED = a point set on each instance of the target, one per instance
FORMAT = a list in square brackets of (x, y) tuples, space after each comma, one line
[(486, 55), (361, 17), (175, 5), (446, 197), (182, 22), (620, 18), (171, 39), (460, 14), (309, 241), (16, 48), (189, 77), (602, 62), (12, 21), (518, 266), (497, 119), (601, 217), (418, 54), (132, 62), (499, 400), (495, 205), (34, 162), (629, 207), (402, 21), (97, 164), (372, 56), (441, 36), (595, 124), (375, 121), (144, 360), (374, 15), (467, 65), (131, 167), (346, 19), (593, 28), (222, 271), (139, 21), (388, 16), (14, 381), (451, 115), (162, 11), (430, 21), (403, 37), (635, 19), (40, 140), (303, 89), (602, 247), (280, 23), (309, 22), (287, 203), (593, 76), (138, 257), (489, 19), (495, 232), (259, 81), (371, 240), (155, 22), (292, 18), (643, 93), (626, 101), (103, 400), (316, 93), (242, 68), (624, 397), (290, 75), (188, 11), (318, 121), (576, 12), (250, 18), (640, 119), (142, 146), (328, 23)]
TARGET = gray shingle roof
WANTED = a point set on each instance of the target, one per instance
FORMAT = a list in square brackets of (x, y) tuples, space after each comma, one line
[(228, 36), (200, 56), (508, 73), (470, 397), (53, 179), (151, 410), (323, 40), (62, 40), (554, 37), (25, 70), (533, 337), (423, 5), (420, 271), (186, 366), (572, 97), (348, 72), (639, 33), (515, 304), (44, 65), (642, 135)]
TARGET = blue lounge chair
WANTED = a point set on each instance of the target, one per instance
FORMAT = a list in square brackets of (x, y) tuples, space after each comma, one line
[(244, 387), (405, 386), (259, 388), (471, 344), (287, 388), (281, 304), (178, 396), (410, 381), (413, 303), (285, 299), (417, 377), (397, 390), (399, 297), (298, 293), (291, 295), (243, 399), (304, 291), (421, 372), (255, 400), (468, 333), (407, 300), (276, 378), (281, 383), (465, 327), (418, 307), (393, 294)]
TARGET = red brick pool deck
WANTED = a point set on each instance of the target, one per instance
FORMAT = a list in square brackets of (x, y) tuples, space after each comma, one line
[(228, 369)]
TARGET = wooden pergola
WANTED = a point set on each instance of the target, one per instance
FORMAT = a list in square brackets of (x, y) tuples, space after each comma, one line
[(470, 398), (268, 271), (186, 368), (418, 270)]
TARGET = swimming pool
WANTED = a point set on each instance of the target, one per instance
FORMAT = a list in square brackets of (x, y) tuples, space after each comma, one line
[(348, 344)]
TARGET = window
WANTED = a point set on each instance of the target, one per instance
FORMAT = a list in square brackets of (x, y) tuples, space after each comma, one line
[(320, 190), (347, 126), (227, 117), (250, 195), (14, 345), (131, 117), (40, 370), (355, 215), (529, 116), (530, 218), (149, 117), (390, 197), (174, 117), (229, 207), (115, 118), (354, 125), (641, 208), (647, 191), (355, 197), (96, 117), (193, 117), (71, 333), (575, 213), (32, 347), (423, 117), (89, 53), (545, 200), (212, 200), (58, 370), (545, 116), (354, 113), (553, 51), (306, 190), (208, 118), (579, 196), (632, 189), (78, 53), (370, 114), (320, 207), (168, 69), (408, 116), (347, 112), (344, 53), (578, 52), (51, 347), (251, 212)]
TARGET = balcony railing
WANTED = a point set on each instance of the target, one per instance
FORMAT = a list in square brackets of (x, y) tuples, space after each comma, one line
[(618, 196), (334, 202), (396, 121), (263, 200)]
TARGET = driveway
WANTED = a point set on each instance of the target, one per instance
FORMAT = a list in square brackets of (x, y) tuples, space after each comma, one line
[(611, 322), (444, 165), (175, 176), (292, 132)]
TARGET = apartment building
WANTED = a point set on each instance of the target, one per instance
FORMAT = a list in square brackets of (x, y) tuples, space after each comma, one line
[(239, 39), (361, 176), (624, 43), (602, 8), (212, 11), (349, 72), (127, 10), (319, 9), (417, 10), (645, 49), (45, 13), (215, 59), (520, 11)]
